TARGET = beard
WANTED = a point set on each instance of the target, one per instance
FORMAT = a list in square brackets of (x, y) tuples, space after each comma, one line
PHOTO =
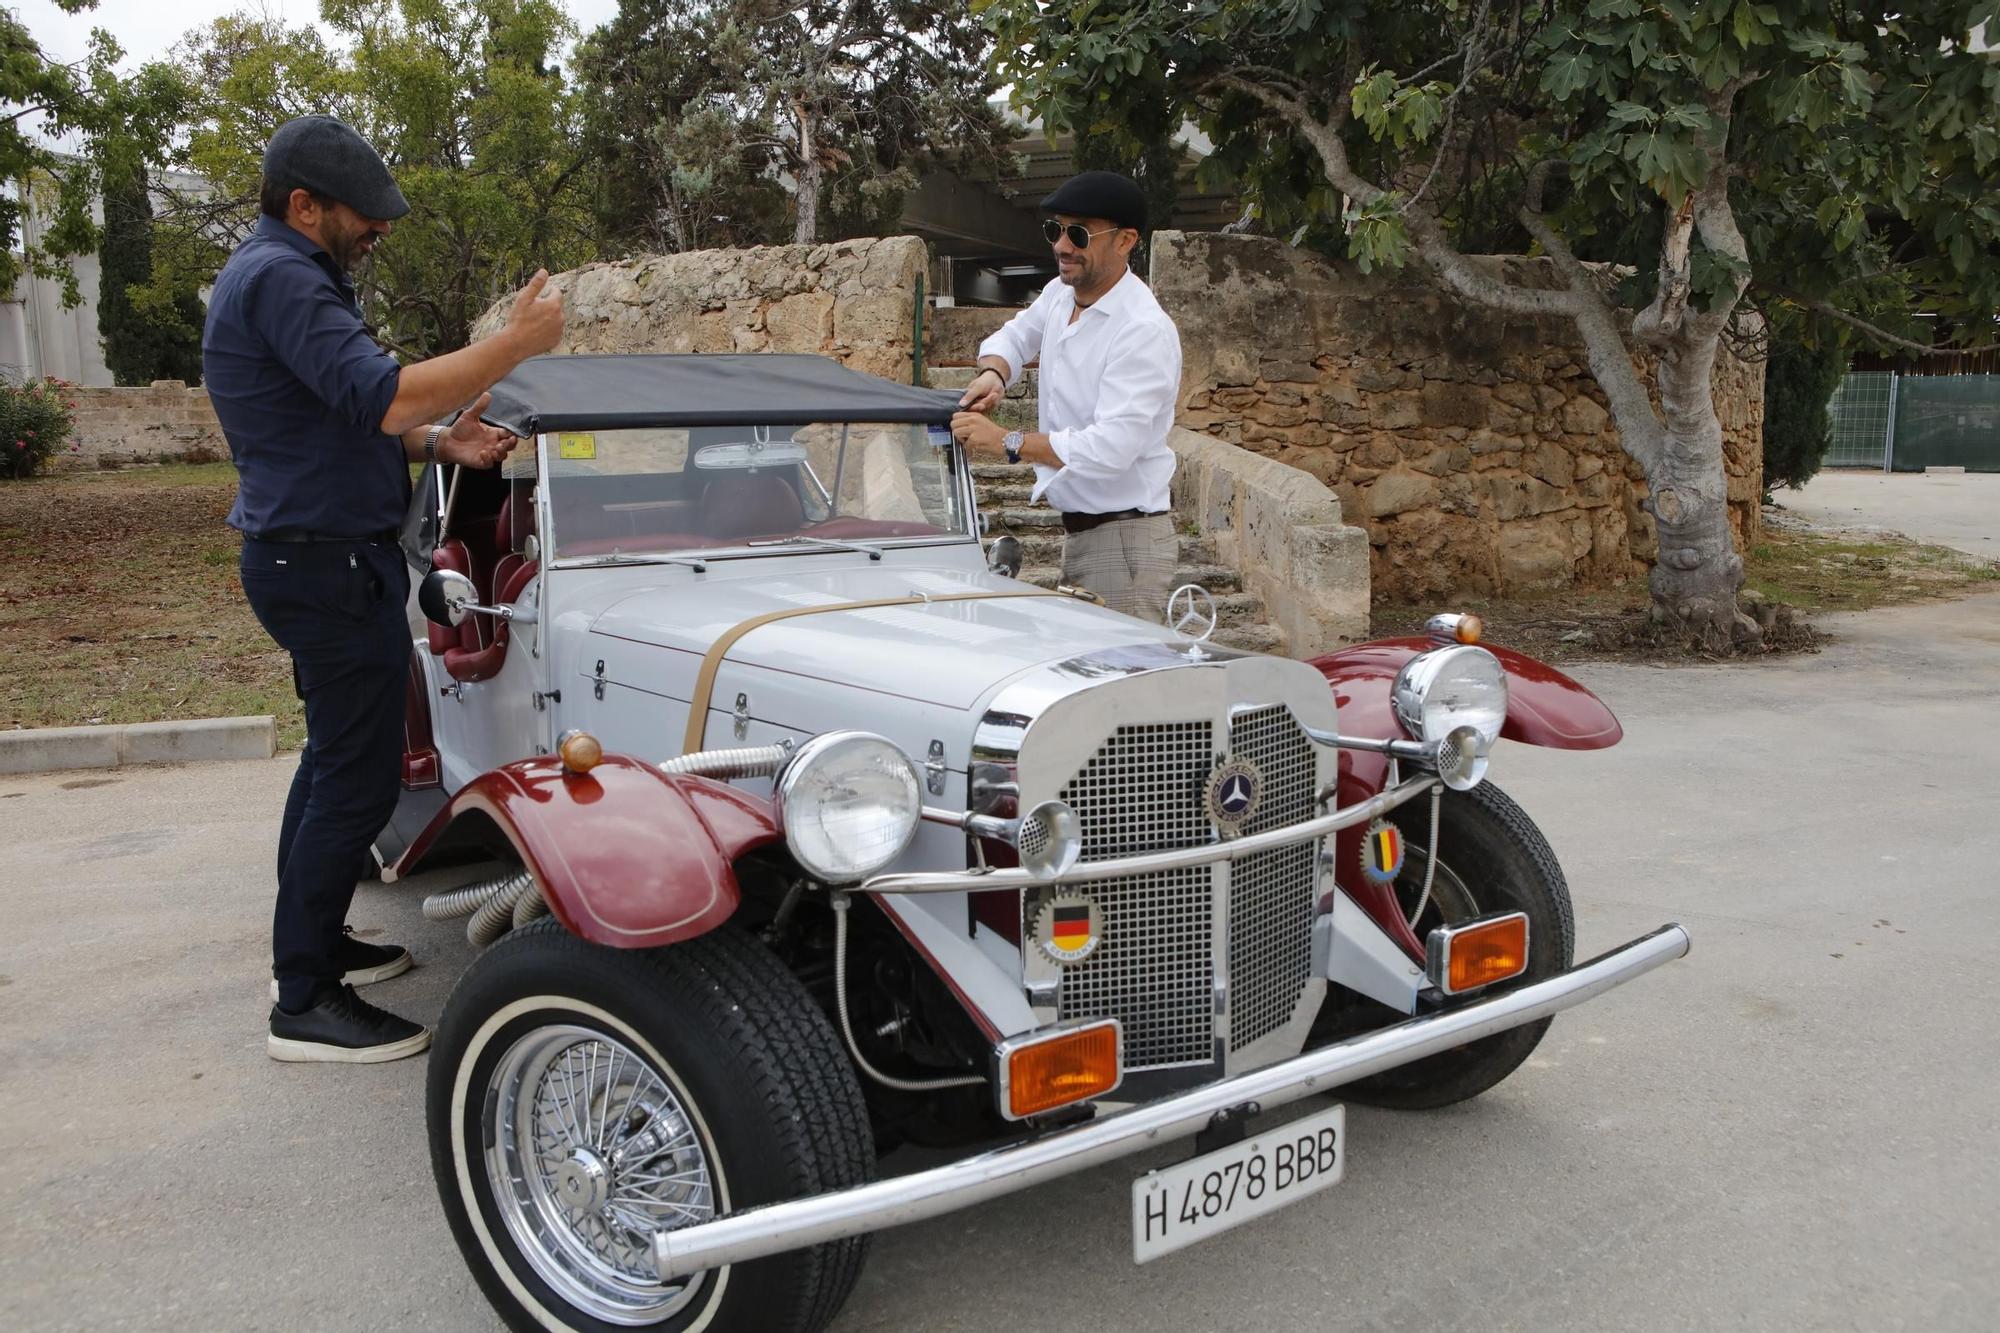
[(347, 246)]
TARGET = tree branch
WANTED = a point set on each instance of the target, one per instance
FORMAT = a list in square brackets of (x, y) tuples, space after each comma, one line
[(1426, 231), (1875, 331)]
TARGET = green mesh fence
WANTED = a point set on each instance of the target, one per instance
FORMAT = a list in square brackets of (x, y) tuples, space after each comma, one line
[(1947, 421), (1860, 408)]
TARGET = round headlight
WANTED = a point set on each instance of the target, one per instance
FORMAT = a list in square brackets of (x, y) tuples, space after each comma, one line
[(850, 802), (1438, 692)]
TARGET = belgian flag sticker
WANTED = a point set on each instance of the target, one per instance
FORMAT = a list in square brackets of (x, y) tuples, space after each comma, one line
[(1069, 928), (1381, 852)]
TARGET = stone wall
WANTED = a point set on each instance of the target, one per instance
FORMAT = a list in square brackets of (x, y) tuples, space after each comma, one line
[(165, 421), (952, 334), (1472, 445), (851, 300)]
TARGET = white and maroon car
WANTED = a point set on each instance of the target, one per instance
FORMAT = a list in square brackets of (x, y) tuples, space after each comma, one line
[(818, 832)]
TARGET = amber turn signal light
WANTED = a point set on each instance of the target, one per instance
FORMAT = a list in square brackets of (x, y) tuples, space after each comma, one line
[(1479, 953), (1470, 627), (579, 751), (1040, 1072)]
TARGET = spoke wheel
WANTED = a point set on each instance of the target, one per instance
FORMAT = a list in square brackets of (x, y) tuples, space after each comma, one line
[(583, 1099), (592, 1153)]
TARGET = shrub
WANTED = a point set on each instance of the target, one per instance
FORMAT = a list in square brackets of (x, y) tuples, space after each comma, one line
[(1799, 381), (36, 422)]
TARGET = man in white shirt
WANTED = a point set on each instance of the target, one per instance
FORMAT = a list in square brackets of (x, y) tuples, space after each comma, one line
[(1110, 374)]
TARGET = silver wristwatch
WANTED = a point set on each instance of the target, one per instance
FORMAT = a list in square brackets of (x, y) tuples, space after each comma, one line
[(431, 438), (1012, 444)]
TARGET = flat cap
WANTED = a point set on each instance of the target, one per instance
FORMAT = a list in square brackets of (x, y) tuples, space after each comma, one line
[(1100, 194), (326, 156)]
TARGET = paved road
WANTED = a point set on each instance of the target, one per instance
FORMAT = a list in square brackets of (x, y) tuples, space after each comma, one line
[(1959, 510), (1793, 1128)]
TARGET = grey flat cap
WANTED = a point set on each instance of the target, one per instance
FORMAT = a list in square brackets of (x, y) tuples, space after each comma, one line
[(326, 156)]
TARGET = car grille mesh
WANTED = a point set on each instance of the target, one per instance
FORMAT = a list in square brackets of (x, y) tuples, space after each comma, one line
[(1271, 893), (1142, 792)]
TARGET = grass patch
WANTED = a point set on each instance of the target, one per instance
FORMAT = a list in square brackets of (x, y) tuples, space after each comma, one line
[(1808, 571), (119, 602)]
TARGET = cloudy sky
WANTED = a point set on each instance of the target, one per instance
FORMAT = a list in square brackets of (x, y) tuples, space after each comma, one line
[(146, 28)]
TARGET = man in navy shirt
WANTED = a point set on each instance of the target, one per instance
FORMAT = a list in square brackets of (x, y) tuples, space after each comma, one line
[(323, 425)]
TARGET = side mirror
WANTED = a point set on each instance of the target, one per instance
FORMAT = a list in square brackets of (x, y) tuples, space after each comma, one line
[(445, 595), (1004, 556)]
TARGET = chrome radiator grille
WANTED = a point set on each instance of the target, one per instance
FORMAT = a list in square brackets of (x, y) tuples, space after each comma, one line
[(1142, 792), (1271, 893)]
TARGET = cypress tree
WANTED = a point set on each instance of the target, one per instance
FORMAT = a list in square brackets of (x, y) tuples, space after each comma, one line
[(140, 347)]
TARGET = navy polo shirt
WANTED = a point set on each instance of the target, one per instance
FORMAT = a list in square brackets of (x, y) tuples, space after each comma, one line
[(300, 389)]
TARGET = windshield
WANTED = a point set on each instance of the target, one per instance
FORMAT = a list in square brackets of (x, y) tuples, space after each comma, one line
[(671, 489)]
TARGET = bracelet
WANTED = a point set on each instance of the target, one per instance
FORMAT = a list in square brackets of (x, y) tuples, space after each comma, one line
[(431, 438)]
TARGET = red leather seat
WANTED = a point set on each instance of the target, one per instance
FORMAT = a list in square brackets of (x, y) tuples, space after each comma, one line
[(764, 505), (477, 646)]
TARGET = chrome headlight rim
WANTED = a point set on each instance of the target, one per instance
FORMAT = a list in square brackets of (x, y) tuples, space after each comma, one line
[(794, 805), (1421, 674)]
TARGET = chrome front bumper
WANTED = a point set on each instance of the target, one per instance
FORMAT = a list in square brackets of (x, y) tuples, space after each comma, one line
[(777, 1227)]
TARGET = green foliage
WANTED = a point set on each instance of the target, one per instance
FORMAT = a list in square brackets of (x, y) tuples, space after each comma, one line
[(36, 419), (698, 105), (1858, 144), (145, 339), (45, 219), (1799, 382), (461, 97)]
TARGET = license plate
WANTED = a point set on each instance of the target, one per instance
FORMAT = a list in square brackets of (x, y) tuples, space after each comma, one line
[(1179, 1205)]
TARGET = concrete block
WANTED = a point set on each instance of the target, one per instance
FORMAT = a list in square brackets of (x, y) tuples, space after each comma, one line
[(200, 739), (43, 749)]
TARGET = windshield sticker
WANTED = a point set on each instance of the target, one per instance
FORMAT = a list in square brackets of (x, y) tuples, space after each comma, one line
[(576, 444)]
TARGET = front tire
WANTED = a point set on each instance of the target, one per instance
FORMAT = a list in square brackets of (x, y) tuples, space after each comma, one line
[(580, 1097), (1491, 859)]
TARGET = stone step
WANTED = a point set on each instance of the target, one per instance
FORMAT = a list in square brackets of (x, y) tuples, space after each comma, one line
[(1009, 472), (1044, 546), (1257, 638), (1243, 607)]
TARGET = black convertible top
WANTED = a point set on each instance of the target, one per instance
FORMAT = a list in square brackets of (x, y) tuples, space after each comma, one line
[(612, 392)]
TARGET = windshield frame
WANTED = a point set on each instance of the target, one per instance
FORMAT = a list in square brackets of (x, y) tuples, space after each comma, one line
[(961, 473)]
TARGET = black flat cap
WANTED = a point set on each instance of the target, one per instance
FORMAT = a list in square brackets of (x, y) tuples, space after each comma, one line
[(326, 156), (1100, 194)]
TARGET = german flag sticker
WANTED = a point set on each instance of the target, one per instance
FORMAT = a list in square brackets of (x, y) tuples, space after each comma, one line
[(1069, 928), (1381, 852)]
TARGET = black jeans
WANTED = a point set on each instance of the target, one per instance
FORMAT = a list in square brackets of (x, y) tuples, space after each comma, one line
[(337, 608)]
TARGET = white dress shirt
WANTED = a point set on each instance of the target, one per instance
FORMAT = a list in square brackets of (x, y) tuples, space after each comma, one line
[(1108, 387)]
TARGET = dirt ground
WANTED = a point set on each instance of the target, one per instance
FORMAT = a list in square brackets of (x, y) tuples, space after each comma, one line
[(1810, 568), (119, 602)]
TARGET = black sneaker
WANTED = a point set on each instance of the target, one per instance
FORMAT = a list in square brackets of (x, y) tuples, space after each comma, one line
[(343, 1028), (362, 963)]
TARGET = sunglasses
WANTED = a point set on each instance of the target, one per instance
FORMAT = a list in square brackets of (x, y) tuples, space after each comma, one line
[(1078, 237)]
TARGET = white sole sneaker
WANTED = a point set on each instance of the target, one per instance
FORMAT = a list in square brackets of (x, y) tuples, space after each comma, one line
[(294, 1052), (365, 976)]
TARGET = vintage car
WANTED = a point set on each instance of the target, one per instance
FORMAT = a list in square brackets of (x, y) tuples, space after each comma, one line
[(807, 830)]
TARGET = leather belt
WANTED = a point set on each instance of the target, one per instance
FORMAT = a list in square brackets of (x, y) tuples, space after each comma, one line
[(1074, 523), (305, 537)]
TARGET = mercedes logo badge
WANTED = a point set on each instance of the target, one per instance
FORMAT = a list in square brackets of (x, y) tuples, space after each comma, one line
[(1191, 614)]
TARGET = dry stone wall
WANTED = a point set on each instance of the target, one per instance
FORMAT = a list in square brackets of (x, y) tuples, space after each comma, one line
[(1473, 446), (164, 421), (851, 300)]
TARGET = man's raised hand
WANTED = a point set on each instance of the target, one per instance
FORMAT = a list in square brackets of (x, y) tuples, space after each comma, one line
[(536, 322)]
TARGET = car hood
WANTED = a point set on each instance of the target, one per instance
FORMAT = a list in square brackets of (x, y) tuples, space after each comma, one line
[(950, 650)]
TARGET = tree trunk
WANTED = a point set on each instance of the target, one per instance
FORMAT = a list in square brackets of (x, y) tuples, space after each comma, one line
[(1697, 573), (811, 176)]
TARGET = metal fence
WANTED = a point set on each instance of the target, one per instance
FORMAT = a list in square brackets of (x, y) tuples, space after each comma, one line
[(1906, 423)]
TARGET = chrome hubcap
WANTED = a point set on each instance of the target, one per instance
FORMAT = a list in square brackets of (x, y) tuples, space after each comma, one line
[(593, 1151)]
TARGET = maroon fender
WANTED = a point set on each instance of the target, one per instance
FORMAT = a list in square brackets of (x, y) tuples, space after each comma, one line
[(626, 855), (1544, 707)]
